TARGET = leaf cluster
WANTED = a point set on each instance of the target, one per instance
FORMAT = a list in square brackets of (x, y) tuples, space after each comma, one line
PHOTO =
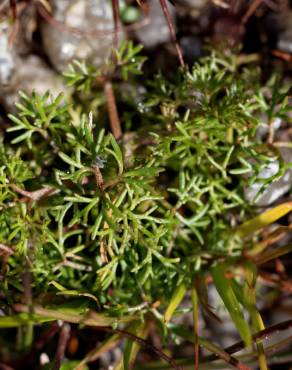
[(126, 222)]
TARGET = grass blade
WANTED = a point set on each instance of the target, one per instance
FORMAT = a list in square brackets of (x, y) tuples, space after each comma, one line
[(264, 219), (231, 303), (176, 299)]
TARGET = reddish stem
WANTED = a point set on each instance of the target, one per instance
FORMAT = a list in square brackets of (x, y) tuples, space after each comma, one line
[(251, 10), (62, 343), (13, 9), (172, 31), (115, 8), (112, 110)]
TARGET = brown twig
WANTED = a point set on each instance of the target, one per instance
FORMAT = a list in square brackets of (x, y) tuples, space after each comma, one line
[(253, 7), (45, 337), (144, 5), (34, 196), (250, 10), (287, 57), (115, 9), (27, 283), (62, 343), (224, 355), (263, 334), (98, 176), (274, 280), (172, 31), (146, 344), (112, 110), (13, 9), (92, 320), (5, 250)]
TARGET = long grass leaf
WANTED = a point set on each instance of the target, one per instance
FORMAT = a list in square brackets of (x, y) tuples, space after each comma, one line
[(231, 303), (264, 219), (176, 299)]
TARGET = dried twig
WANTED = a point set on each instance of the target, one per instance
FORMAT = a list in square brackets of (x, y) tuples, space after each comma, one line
[(62, 343), (115, 9), (13, 9), (263, 334), (250, 11), (5, 250), (34, 196), (146, 344), (253, 7), (112, 110), (287, 57), (43, 340), (221, 353), (172, 31)]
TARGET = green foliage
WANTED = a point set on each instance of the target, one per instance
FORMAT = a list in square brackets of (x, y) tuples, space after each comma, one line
[(124, 224), (124, 62)]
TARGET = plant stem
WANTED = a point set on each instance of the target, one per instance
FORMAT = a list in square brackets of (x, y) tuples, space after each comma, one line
[(112, 110), (115, 8), (62, 343), (194, 297), (172, 31)]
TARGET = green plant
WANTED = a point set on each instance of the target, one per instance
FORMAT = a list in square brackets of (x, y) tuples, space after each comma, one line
[(127, 225)]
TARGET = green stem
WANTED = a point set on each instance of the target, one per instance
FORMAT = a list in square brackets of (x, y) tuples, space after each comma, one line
[(194, 297)]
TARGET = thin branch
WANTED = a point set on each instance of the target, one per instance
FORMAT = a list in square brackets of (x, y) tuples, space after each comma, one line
[(263, 334), (62, 343), (250, 11), (287, 57), (34, 196), (45, 337), (100, 323), (115, 9), (4, 249), (253, 7), (112, 110), (98, 176), (13, 9), (146, 344), (275, 281), (221, 353), (172, 31)]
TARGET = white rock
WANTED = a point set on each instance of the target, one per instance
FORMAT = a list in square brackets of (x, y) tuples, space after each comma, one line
[(285, 36), (30, 74), (7, 56), (91, 18), (277, 188)]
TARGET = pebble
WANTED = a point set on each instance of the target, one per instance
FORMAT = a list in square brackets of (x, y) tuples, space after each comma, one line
[(285, 36), (30, 74), (277, 188), (90, 17), (7, 55)]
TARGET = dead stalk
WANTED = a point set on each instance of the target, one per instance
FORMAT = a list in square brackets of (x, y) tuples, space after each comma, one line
[(112, 110), (62, 344), (172, 31), (115, 8)]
